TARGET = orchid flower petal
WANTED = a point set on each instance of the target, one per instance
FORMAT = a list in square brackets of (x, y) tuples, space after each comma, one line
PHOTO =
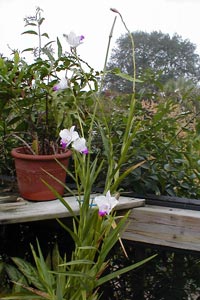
[(68, 136), (74, 40), (105, 203), (80, 145), (61, 85)]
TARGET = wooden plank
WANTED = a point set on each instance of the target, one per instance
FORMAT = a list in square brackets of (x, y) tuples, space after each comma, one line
[(173, 227), (26, 211)]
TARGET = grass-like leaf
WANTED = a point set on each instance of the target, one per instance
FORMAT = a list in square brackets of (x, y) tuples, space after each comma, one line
[(115, 274)]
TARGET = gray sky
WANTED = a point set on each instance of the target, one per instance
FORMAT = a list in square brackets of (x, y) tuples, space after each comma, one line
[(94, 19)]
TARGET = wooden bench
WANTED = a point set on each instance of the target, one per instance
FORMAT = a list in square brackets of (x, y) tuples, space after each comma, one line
[(17, 210), (151, 224)]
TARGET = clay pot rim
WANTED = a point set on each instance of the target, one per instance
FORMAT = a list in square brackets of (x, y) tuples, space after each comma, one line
[(19, 153)]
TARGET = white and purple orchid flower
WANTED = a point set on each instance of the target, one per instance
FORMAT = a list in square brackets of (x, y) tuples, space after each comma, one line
[(69, 136), (80, 145), (61, 85), (73, 40), (105, 203)]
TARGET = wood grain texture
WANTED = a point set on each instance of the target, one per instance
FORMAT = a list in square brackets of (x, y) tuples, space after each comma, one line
[(20, 210), (173, 227)]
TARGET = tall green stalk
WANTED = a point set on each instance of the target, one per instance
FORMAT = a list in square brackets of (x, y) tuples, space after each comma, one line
[(113, 174)]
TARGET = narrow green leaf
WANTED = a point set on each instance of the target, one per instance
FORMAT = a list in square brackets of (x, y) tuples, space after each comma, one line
[(71, 232), (63, 201), (30, 32), (21, 296), (41, 21), (48, 53), (31, 24), (59, 48), (28, 49), (74, 274), (113, 236), (45, 34), (115, 274), (125, 174), (16, 58), (87, 248), (14, 274), (28, 271), (45, 276), (78, 262), (125, 76), (49, 43)]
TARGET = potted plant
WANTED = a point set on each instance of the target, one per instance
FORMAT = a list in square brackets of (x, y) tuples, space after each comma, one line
[(39, 149), (39, 104)]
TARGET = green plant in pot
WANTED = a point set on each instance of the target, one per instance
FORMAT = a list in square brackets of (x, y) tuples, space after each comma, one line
[(41, 103), (38, 147)]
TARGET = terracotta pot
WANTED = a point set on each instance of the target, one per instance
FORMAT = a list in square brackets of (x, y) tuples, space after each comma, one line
[(30, 170)]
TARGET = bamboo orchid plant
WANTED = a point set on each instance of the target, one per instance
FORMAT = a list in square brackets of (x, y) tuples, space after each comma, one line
[(98, 227)]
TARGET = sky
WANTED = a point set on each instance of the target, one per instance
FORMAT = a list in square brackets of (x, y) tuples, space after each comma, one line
[(93, 19)]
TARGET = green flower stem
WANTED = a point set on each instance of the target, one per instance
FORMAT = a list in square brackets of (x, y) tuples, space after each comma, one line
[(113, 175), (106, 57)]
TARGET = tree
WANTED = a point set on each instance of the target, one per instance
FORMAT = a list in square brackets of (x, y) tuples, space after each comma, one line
[(158, 57)]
